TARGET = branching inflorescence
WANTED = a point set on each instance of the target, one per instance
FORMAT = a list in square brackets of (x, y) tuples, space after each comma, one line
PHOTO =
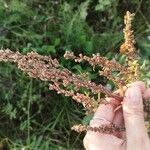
[(65, 82), (47, 69)]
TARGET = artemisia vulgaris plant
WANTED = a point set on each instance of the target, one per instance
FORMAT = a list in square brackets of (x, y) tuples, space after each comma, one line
[(65, 82)]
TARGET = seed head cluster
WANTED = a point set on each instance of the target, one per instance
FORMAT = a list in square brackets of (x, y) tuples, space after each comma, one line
[(128, 48), (47, 69)]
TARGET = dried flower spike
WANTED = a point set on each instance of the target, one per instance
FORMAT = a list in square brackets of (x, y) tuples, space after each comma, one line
[(107, 129), (128, 48), (47, 69)]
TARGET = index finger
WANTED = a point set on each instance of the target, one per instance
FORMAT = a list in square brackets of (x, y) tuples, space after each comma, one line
[(103, 115)]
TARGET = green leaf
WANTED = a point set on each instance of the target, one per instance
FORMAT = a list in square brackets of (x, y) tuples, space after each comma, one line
[(99, 7), (21, 7), (49, 49), (57, 41), (86, 119), (89, 47), (78, 68), (103, 5), (83, 9), (82, 39)]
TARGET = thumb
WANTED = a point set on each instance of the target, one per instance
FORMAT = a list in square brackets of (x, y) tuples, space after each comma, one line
[(134, 115)]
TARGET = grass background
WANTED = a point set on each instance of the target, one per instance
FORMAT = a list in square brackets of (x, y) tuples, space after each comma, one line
[(31, 116)]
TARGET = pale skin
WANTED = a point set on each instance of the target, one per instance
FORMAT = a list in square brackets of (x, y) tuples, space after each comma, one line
[(130, 115)]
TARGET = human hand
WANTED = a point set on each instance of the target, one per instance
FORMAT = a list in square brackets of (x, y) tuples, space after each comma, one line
[(131, 116)]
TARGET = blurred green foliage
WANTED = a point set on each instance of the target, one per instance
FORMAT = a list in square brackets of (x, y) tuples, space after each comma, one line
[(31, 116)]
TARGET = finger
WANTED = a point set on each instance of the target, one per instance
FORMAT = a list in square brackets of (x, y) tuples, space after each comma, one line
[(140, 84), (118, 118), (103, 115), (92, 139), (104, 142), (145, 92), (119, 121), (96, 140), (133, 113)]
